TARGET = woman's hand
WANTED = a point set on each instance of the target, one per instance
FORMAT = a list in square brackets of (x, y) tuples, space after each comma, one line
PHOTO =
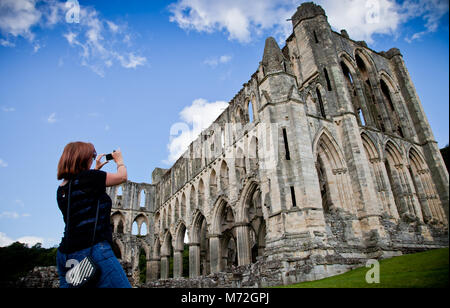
[(98, 163), (117, 156)]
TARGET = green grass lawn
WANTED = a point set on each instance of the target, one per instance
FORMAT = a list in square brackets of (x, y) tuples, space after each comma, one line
[(420, 270)]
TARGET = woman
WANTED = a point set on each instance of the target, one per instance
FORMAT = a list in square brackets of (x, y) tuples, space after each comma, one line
[(87, 192)]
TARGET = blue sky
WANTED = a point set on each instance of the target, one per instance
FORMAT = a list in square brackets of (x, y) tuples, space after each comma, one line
[(131, 69)]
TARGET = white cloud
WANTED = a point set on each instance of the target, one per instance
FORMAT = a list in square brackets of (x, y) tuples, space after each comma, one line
[(6, 43), (112, 26), (5, 240), (215, 61), (10, 215), (3, 164), (131, 61), (8, 109), (17, 17), (363, 18), (101, 42), (52, 118), (36, 48), (28, 240), (239, 19), (196, 117), (431, 12), (243, 20)]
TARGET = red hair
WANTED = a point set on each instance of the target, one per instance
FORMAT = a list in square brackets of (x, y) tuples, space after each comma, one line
[(75, 158)]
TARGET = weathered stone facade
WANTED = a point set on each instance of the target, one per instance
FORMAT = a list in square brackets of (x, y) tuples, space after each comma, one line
[(323, 160)]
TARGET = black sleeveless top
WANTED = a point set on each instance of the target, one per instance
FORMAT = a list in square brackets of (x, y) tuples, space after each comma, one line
[(87, 188)]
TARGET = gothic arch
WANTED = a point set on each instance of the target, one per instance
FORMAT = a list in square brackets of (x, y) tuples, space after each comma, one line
[(249, 188), (250, 112), (240, 165), (157, 248), (180, 232), (118, 248), (201, 194), (321, 100), (167, 246), (192, 202), (183, 207), (335, 185), (142, 194), (176, 210), (224, 176), (368, 61), (348, 58), (331, 147), (379, 176), (424, 187), (396, 114), (249, 223), (401, 182), (253, 154), (359, 104), (141, 219), (212, 184), (370, 146), (196, 224), (216, 223), (394, 150), (118, 222)]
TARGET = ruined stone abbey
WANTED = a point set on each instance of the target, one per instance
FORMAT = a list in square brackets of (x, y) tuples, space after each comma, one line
[(323, 160)]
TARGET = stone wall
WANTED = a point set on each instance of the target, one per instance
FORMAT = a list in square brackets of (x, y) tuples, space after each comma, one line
[(40, 277)]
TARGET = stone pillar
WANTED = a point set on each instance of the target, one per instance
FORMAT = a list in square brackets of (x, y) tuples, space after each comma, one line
[(194, 260), (243, 244), (164, 267), (178, 263), (422, 127), (215, 255), (153, 269)]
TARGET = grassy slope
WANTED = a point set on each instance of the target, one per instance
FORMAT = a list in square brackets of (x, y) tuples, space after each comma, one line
[(421, 270)]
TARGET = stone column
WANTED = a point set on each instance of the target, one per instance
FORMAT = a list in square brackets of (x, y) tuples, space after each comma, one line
[(194, 260), (243, 244), (422, 127), (178, 263), (215, 255), (153, 269), (164, 267)]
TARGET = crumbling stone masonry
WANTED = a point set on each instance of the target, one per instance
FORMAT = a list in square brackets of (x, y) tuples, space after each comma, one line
[(323, 160)]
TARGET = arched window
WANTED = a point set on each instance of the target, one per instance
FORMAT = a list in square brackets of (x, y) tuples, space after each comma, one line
[(327, 79), (142, 199), (321, 106), (213, 184), (362, 121), (143, 229), (386, 94), (250, 112), (393, 115), (324, 191), (222, 138), (135, 229)]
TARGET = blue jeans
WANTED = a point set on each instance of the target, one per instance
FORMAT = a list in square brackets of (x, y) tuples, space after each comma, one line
[(112, 273)]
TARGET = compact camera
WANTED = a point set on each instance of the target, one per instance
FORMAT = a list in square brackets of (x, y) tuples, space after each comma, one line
[(109, 156)]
